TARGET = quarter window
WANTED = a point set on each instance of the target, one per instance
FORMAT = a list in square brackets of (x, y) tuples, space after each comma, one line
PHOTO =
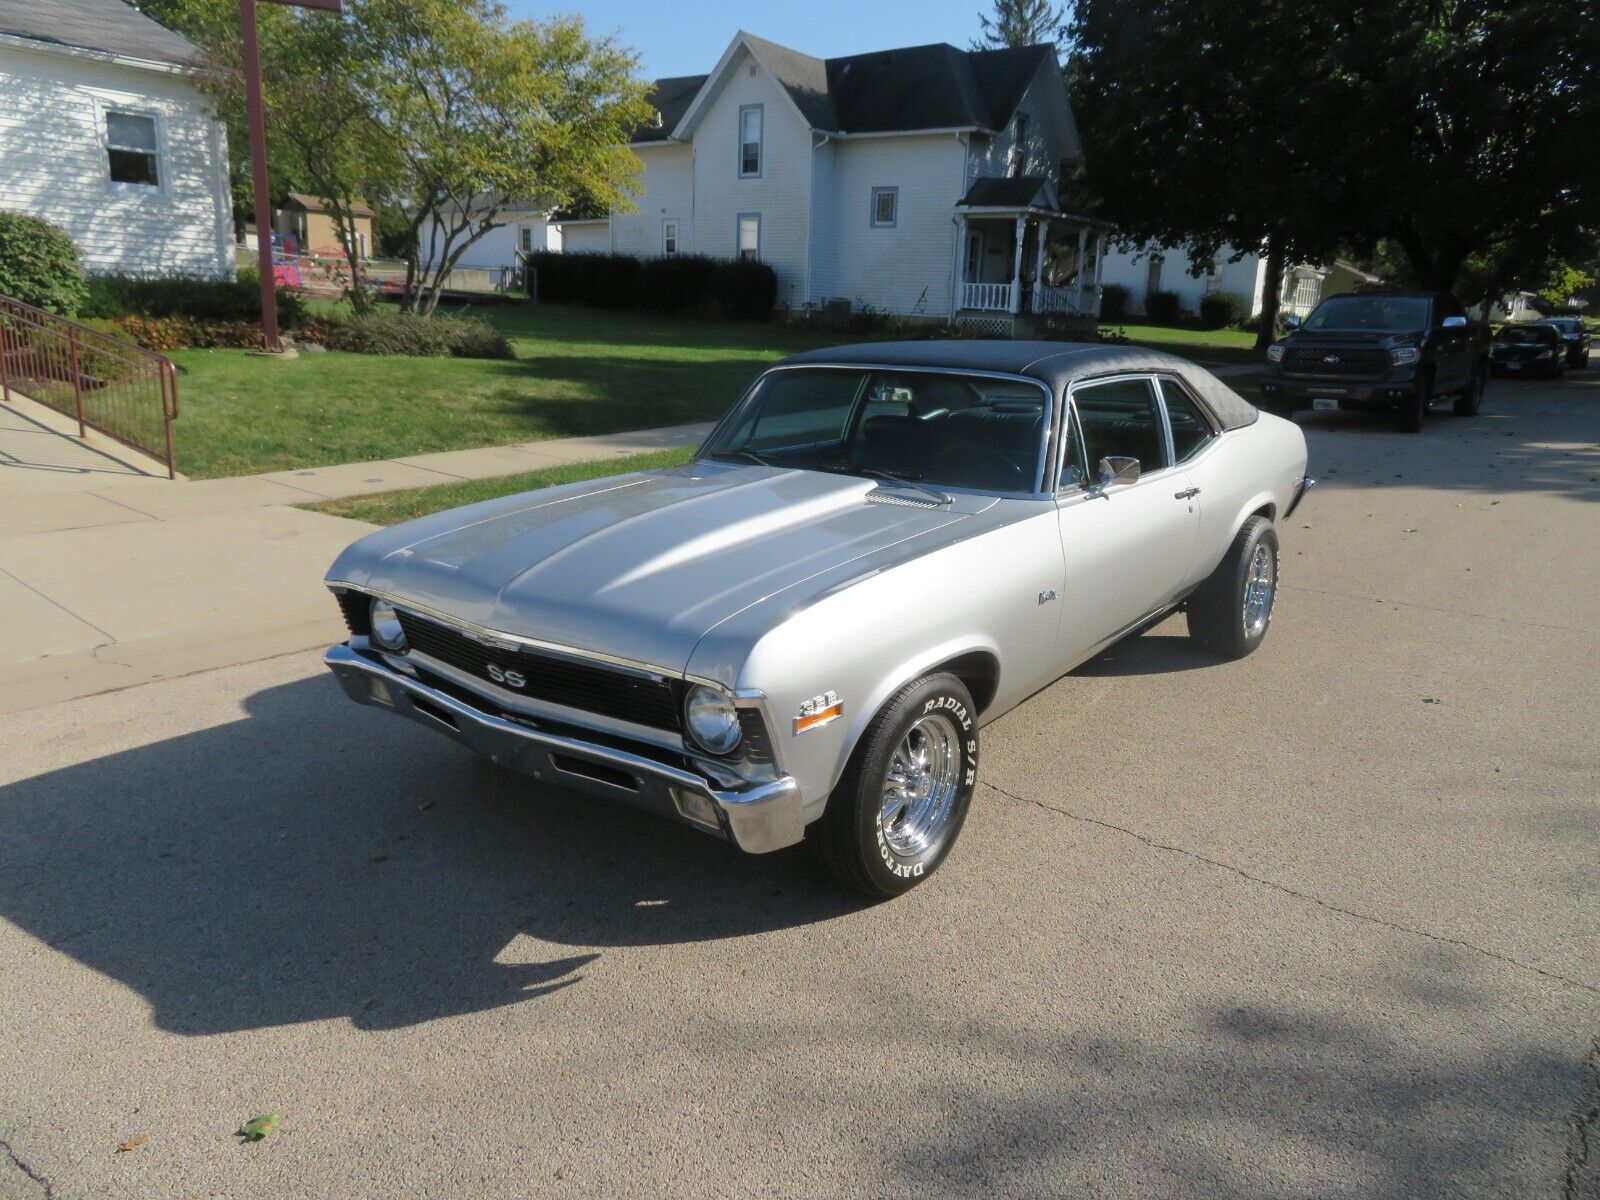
[(131, 149), (885, 207), (749, 236), (749, 141), (1191, 431), (1119, 419)]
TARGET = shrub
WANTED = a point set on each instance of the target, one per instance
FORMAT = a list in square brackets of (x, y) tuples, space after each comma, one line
[(676, 284), (411, 336), (743, 290), (1221, 308), (188, 296), (1163, 308), (39, 265), (1113, 302), (181, 333)]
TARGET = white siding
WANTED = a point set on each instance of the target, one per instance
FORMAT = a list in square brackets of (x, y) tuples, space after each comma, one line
[(666, 194), (498, 247), (824, 229), (53, 165), (1130, 269), (1044, 142), (782, 193), (906, 269), (585, 237)]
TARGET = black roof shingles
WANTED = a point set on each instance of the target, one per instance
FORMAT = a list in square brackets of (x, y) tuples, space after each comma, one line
[(887, 91), (105, 26)]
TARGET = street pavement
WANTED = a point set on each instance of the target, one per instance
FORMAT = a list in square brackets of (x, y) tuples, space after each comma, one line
[(1319, 923)]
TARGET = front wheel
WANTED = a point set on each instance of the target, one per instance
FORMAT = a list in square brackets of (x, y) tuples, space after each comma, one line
[(1231, 610), (904, 795), (1469, 401)]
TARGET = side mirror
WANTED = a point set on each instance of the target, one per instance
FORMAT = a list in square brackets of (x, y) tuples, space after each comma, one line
[(1453, 323), (1291, 322), (1117, 469)]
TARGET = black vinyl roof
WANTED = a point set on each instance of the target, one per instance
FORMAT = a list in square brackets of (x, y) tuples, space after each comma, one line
[(1056, 364), (108, 26), (887, 91)]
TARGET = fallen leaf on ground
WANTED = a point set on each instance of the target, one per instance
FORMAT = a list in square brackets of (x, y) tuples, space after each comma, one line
[(257, 1128), (1432, 700), (132, 1144), (424, 805), (1411, 530)]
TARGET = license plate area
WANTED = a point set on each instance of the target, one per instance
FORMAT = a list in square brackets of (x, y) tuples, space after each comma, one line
[(1324, 404)]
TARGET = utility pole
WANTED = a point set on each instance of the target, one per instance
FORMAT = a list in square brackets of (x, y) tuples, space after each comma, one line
[(258, 159)]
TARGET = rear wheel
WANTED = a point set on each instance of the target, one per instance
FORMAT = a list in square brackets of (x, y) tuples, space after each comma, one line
[(1469, 401), (903, 798), (1230, 612), (1408, 416)]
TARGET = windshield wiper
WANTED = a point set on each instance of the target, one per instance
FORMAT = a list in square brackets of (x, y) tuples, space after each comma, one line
[(933, 494), (746, 455)]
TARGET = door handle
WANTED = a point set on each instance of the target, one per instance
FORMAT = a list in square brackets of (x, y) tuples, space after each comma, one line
[(1184, 495)]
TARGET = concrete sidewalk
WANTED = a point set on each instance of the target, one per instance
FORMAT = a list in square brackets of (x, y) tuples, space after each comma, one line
[(112, 577)]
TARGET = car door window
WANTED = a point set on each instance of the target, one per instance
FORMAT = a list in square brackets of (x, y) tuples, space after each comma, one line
[(1191, 428), (1119, 418)]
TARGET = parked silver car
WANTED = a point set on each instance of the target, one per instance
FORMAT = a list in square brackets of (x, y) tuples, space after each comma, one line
[(797, 635)]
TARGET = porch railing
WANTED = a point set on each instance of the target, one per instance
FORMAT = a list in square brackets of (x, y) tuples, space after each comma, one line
[(987, 297), (1072, 301), (105, 383)]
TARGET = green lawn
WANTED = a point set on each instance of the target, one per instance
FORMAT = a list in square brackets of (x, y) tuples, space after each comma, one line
[(390, 508), (578, 371), (1201, 345)]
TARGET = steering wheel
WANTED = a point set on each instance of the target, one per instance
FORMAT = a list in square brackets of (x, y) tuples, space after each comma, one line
[(967, 461)]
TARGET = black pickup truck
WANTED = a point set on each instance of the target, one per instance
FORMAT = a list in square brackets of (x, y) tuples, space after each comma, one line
[(1380, 350)]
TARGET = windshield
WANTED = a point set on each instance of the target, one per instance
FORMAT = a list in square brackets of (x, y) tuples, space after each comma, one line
[(1527, 335), (1387, 314), (935, 429)]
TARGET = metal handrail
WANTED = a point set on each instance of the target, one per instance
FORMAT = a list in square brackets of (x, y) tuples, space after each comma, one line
[(109, 384)]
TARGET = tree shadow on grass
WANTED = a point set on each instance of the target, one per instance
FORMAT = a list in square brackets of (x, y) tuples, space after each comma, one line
[(316, 860)]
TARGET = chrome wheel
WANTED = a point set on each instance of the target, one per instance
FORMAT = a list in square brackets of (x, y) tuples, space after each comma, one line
[(1259, 587), (919, 786)]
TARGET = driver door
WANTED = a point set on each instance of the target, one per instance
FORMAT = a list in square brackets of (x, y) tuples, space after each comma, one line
[(1128, 548)]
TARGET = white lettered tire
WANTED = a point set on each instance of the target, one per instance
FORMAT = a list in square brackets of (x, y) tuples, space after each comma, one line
[(903, 798)]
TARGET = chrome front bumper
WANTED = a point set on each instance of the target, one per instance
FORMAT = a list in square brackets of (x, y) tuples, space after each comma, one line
[(757, 819)]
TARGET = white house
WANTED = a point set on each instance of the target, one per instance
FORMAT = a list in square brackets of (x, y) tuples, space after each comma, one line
[(521, 227), (1170, 269), (103, 134), (921, 181)]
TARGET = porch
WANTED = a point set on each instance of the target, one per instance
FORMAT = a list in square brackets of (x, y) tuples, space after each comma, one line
[(1019, 255)]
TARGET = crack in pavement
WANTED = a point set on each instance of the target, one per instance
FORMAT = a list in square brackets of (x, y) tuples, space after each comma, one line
[(46, 1189), (1352, 914)]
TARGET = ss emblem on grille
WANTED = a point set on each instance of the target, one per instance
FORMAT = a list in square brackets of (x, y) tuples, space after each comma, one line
[(514, 679)]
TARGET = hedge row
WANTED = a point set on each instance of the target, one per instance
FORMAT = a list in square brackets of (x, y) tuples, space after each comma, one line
[(404, 334), (203, 299), (736, 290)]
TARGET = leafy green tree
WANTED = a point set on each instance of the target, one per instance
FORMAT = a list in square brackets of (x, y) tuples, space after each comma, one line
[(1441, 126), (1020, 23)]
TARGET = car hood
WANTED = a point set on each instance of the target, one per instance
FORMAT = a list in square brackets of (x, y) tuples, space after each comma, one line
[(638, 566)]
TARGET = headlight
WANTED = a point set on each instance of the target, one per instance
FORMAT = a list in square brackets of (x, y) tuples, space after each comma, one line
[(1275, 352), (711, 718), (1405, 356), (386, 629)]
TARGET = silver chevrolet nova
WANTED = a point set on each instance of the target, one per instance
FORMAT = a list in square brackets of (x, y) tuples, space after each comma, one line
[(797, 636)]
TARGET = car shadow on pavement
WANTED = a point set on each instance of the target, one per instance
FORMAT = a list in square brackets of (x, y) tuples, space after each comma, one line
[(1151, 653), (318, 860)]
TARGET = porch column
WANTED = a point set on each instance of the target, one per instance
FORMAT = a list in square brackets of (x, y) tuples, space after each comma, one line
[(1016, 267), (1083, 264), (1038, 263), (959, 287)]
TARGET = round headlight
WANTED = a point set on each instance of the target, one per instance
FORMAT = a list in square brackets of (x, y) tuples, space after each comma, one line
[(386, 629), (711, 718)]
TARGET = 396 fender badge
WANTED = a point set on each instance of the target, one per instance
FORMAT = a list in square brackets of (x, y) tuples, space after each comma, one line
[(818, 711)]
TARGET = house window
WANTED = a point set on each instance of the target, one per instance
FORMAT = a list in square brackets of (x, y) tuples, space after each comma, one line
[(669, 238), (525, 238), (1019, 152), (131, 148), (1213, 277), (1152, 277), (361, 245), (885, 207), (749, 236), (749, 141)]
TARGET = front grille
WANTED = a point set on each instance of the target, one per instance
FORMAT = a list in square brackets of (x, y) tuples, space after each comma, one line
[(590, 687), (754, 744), (1310, 360)]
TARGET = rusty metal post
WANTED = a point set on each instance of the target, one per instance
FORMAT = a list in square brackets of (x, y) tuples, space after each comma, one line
[(169, 379), (5, 353), (77, 377), (258, 173)]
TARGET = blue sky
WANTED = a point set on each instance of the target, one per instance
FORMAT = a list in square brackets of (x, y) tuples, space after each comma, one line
[(686, 38)]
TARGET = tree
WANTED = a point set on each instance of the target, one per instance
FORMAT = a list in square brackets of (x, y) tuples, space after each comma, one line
[(1017, 23), (484, 111), (1322, 126)]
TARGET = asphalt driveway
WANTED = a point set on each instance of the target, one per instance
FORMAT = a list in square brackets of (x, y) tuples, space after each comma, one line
[(1321, 923)]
